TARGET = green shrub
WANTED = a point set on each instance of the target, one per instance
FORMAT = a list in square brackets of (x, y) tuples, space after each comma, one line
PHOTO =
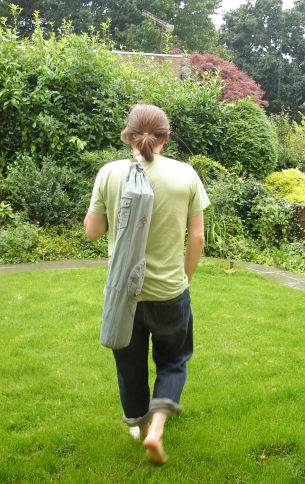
[(24, 242), (248, 139), (232, 194), (90, 162), (207, 168), (62, 242), (112, 154), (297, 143), (283, 128), (19, 241), (243, 208), (6, 213), (55, 89), (194, 112), (274, 220), (289, 184), (290, 257), (50, 195), (71, 88), (222, 220)]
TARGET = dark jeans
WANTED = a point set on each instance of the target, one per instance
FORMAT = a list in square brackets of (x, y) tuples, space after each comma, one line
[(171, 325)]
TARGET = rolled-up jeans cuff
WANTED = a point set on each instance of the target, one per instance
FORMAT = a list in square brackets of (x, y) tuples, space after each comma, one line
[(137, 422), (165, 405)]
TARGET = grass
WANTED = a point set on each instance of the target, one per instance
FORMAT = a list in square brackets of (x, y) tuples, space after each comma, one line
[(244, 401)]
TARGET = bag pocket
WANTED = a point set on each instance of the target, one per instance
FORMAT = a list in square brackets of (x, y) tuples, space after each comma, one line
[(134, 285), (124, 212)]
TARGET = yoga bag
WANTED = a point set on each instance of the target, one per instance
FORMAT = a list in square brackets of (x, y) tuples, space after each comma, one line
[(127, 264)]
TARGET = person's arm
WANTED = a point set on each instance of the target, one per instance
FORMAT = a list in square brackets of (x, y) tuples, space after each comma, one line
[(194, 244), (96, 225)]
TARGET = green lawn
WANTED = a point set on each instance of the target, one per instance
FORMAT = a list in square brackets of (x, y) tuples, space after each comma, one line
[(244, 401)]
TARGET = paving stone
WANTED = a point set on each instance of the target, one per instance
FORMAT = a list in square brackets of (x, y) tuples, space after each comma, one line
[(52, 265), (287, 278)]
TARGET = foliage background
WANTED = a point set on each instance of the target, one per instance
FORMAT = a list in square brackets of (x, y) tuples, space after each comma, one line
[(268, 43), (260, 37), (248, 138), (71, 88), (64, 100), (194, 28), (235, 83)]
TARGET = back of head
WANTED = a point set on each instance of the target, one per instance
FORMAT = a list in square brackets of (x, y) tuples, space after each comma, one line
[(146, 126)]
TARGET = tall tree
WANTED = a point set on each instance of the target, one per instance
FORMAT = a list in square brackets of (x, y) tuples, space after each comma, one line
[(236, 83), (130, 28), (194, 28), (193, 25), (25, 19), (268, 43), (4, 8)]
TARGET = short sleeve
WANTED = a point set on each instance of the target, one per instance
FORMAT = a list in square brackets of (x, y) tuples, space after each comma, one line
[(97, 204), (199, 199)]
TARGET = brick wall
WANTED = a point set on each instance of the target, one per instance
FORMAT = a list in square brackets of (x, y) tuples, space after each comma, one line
[(157, 59)]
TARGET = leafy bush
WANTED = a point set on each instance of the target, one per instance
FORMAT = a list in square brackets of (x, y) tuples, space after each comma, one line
[(6, 212), (291, 141), (50, 195), (24, 242), (236, 84), (248, 139), (55, 89), (112, 154), (236, 195), (92, 161), (194, 112), (274, 220), (70, 242), (290, 257), (71, 88), (243, 210), (289, 184), (283, 128), (207, 168), (19, 241), (246, 222), (297, 143)]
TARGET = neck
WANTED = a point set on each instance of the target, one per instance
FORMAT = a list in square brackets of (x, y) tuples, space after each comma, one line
[(137, 154)]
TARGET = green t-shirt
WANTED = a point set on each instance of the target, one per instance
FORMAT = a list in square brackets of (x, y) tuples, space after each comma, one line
[(178, 195)]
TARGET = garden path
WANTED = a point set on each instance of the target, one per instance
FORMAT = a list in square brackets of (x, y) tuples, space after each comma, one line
[(291, 279)]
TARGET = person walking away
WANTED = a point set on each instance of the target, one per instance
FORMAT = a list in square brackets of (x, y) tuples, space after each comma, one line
[(164, 309)]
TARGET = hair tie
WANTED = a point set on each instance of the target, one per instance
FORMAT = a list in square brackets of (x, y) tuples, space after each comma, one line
[(145, 134)]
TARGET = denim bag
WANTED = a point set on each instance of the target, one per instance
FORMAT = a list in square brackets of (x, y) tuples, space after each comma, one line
[(127, 264)]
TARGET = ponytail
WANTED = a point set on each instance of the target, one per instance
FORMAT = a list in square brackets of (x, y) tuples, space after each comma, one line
[(146, 126)]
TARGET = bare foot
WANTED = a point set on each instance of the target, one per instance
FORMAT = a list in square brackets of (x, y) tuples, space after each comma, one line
[(155, 451), (135, 432), (139, 433)]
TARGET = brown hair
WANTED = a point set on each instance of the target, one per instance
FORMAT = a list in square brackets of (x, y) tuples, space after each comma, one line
[(146, 125)]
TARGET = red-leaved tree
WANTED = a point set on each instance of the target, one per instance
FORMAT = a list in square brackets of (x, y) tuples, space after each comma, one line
[(237, 84)]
